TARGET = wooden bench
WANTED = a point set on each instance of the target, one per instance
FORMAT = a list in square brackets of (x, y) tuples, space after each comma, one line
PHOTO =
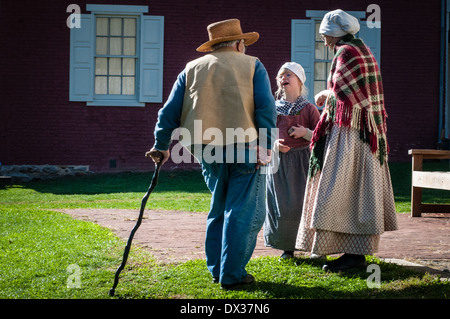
[(424, 179)]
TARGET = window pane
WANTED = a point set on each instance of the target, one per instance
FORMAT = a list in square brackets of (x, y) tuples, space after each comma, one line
[(320, 52), (101, 45), (128, 66), (102, 26), (101, 66), (100, 85), (129, 46), (128, 85), (114, 85), (115, 66), (129, 27), (115, 46), (330, 54), (319, 86), (317, 32), (320, 71), (116, 26)]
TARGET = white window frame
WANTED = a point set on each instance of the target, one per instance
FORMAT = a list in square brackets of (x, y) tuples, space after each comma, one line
[(106, 98), (149, 54)]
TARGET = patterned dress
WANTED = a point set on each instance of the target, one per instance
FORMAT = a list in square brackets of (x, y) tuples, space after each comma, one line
[(349, 201)]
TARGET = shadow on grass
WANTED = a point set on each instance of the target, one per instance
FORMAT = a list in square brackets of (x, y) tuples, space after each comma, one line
[(191, 181), (396, 282), (179, 181)]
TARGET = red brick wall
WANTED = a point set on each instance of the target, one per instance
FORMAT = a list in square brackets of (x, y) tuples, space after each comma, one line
[(38, 125), (410, 70)]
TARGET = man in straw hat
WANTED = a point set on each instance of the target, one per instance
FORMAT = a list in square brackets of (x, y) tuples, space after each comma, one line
[(225, 94)]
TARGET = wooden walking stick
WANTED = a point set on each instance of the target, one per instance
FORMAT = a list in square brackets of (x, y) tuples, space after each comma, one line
[(153, 154)]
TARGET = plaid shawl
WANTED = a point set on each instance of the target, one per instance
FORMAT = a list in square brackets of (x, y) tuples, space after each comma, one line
[(356, 101)]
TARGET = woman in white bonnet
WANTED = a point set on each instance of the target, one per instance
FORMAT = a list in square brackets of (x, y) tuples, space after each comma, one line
[(349, 201), (296, 120)]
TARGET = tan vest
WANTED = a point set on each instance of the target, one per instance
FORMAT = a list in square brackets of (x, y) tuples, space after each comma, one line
[(219, 95)]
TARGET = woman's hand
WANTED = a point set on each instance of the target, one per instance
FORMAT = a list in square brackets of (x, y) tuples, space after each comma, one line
[(321, 97), (297, 131)]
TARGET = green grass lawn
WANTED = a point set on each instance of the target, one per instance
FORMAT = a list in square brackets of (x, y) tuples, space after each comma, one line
[(45, 254)]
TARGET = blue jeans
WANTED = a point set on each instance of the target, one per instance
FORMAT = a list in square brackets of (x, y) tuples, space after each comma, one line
[(235, 218)]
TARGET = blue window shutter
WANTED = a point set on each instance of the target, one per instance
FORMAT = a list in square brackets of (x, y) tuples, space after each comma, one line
[(81, 60), (151, 64), (302, 50), (372, 38)]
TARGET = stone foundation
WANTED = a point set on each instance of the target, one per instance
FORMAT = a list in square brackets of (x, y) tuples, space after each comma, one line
[(27, 173)]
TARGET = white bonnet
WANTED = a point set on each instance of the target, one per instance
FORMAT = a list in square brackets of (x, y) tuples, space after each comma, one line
[(338, 23), (296, 68)]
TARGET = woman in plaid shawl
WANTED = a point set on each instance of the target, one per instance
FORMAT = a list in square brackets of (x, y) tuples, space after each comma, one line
[(349, 200)]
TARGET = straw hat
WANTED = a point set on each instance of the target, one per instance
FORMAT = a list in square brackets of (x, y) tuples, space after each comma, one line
[(227, 30)]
